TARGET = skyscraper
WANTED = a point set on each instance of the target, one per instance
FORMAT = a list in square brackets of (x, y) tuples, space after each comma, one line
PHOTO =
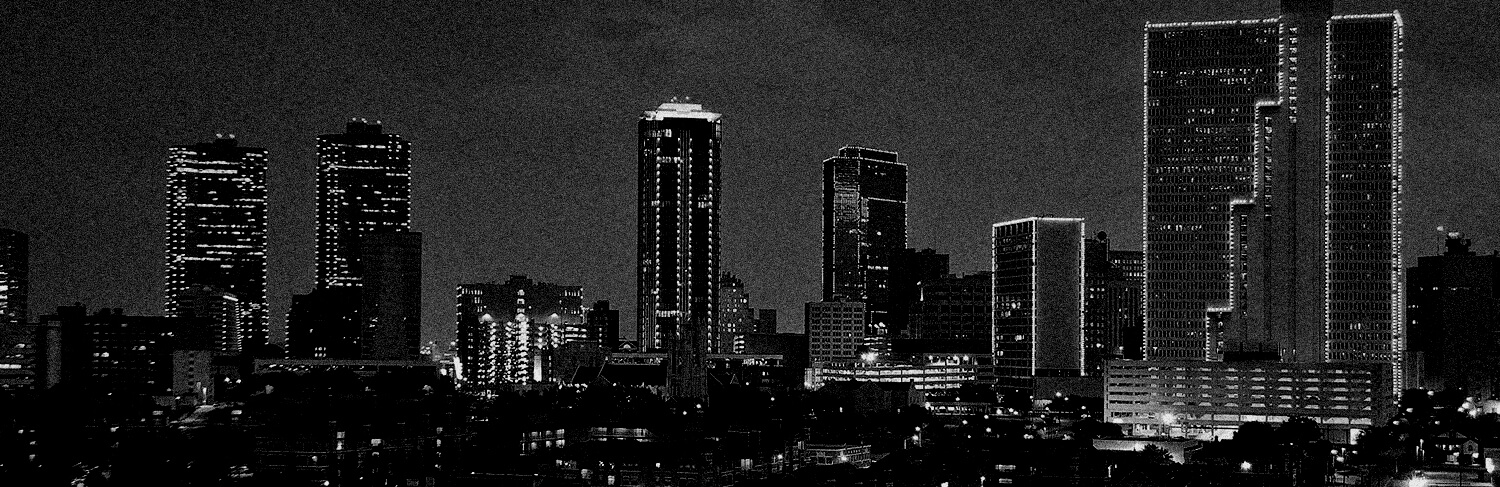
[(216, 229), (1038, 299), (1272, 179), (15, 264), (864, 228), (390, 270), (678, 239), (364, 187)]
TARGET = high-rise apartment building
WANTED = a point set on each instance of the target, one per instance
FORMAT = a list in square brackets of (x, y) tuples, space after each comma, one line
[(364, 187), (1272, 179), (1038, 299), (216, 230), (15, 265), (864, 228), (678, 244), (1454, 319)]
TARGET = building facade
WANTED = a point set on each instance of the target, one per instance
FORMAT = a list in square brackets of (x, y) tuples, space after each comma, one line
[(508, 331), (15, 268), (953, 308), (390, 269), (1272, 187), (678, 239), (603, 325), (1453, 315), (1038, 299), (216, 230), (364, 187), (1210, 400), (864, 228), (836, 331), (735, 314)]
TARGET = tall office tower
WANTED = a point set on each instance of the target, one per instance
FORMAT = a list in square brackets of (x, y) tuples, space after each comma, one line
[(216, 229), (864, 228), (1038, 299), (603, 325), (1126, 337), (734, 313), (1454, 320), (364, 187), (15, 265), (836, 331), (678, 240), (504, 327), (909, 270), (1272, 180), (222, 309)]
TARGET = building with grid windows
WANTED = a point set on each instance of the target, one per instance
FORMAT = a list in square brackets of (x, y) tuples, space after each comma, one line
[(1272, 178), (507, 332), (216, 232), (364, 187), (835, 331), (1038, 295), (864, 229)]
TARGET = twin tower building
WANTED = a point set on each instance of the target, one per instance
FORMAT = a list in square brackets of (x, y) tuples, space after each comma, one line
[(367, 301)]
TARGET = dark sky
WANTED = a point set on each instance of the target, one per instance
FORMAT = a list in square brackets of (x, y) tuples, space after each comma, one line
[(522, 120)]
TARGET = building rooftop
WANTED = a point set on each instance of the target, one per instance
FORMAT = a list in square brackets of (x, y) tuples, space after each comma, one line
[(675, 109)]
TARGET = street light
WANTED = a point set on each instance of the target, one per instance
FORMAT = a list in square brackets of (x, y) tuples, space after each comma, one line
[(1245, 466)]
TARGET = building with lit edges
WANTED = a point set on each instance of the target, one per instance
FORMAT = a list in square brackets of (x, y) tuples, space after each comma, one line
[(677, 247), (1038, 299), (864, 228), (364, 187), (508, 331), (216, 230), (15, 266), (1272, 180)]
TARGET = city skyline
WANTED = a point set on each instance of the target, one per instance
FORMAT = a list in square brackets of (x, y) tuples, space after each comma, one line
[(959, 186)]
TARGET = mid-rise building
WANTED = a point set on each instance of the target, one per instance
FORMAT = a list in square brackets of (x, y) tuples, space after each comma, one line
[(953, 308), (734, 313), (1038, 299), (216, 230), (1112, 306), (864, 228), (765, 321), (1272, 180), (836, 331), (222, 310), (1453, 315), (1210, 400), (390, 269), (678, 239), (324, 324), (364, 187), (15, 266), (110, 353), (910, 269), (508, 331), (603, 325)]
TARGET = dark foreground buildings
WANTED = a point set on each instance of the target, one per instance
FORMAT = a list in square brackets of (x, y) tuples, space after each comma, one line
[(1453, 316)]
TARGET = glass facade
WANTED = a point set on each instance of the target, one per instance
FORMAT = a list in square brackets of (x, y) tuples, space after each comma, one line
[(1039, 290), (864, 228)]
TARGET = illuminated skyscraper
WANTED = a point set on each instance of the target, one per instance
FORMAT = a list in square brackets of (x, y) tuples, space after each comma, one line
[(678, 240), (216, 230), (864, 229), (14, 266), (1272, 179), (364, 187), (1038, 299)]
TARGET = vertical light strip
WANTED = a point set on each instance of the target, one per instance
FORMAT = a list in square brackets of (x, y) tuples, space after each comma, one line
[(1145, 192), (1327, 191), (1035, 228), (1082, 297), (1398, 160)]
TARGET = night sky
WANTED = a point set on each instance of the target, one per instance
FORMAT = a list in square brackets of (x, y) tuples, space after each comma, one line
[(522, 122)]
